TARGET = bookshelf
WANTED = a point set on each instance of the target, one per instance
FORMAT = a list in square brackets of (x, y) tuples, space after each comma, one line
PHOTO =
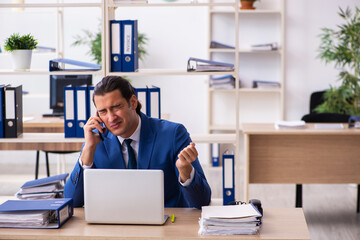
[(240, 29)]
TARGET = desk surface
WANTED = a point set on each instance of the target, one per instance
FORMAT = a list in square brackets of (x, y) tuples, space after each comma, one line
[(278, 223), (40, 124), (42, 141), (269, 128)]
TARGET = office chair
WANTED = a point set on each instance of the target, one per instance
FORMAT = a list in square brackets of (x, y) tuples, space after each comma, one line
[(316, 99), (46, 161)]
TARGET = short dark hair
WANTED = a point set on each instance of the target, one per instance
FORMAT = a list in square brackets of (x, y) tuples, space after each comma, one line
[(112, 83)]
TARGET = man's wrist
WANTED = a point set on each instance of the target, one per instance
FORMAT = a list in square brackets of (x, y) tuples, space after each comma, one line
[(189, 180)]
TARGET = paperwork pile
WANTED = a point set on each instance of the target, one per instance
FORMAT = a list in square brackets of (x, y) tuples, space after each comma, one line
[(230, 220), (50, 213), (290, 124), (44, 188)]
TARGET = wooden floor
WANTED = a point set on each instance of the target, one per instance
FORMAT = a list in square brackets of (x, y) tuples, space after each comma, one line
[(330, 209)]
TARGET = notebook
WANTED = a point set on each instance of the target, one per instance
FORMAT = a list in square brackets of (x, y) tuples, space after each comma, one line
[(124, 196)]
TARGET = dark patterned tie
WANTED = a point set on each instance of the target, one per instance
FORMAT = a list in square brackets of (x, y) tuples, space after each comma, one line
[(131, 155)]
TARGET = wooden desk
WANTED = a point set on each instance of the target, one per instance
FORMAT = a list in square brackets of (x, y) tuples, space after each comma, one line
[(42, 141), (281, 223), (40, 124), (301, 155)]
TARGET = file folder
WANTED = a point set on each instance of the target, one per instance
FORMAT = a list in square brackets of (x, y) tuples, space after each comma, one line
[(129, 43), (154, 109), (90, 102), (2, 107), (55, 65), (141, 95), (228, 178), (53, 213), (13, 120), (45, 181), (69, 112), (82, 110), (202, 65), (115, 46), (215, 160)]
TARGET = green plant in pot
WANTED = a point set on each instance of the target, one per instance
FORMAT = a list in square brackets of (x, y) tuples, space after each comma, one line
[(247, 4), (93, 40), (20, 48), (342, 47)]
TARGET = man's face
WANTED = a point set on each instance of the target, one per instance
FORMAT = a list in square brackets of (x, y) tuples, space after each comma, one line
[(118, 115)]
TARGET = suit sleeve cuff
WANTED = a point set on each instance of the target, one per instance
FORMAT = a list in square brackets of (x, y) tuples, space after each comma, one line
[(84, 166), (188, 181)]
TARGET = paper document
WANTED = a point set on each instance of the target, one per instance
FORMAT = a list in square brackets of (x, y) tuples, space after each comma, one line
[(329, 126), (290, 124)]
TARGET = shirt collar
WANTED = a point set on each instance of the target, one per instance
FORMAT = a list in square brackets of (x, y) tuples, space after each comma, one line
[(135, 136)]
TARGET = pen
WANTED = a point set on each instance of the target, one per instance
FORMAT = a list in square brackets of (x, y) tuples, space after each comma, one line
[(172, 218)]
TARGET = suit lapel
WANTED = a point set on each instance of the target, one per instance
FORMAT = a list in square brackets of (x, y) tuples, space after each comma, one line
[(147, 141), (113, 149)]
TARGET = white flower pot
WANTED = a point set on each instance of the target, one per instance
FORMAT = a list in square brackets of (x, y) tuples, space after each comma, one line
[(21, 59)]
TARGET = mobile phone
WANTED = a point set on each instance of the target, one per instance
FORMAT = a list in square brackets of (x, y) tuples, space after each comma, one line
[(103, 126)]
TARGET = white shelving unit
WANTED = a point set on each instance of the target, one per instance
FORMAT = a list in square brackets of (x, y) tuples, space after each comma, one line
[(58, 9), (234, 104)]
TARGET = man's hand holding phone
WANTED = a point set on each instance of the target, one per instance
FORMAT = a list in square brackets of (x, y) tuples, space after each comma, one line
[(92, 139)]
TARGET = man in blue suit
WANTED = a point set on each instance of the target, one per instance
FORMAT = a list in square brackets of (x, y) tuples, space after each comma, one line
[(154, 144)]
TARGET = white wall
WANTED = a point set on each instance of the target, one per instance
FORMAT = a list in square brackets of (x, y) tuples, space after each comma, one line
[(174, 35)]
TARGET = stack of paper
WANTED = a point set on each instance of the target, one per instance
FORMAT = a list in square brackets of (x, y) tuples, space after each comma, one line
[(229, 220), (223, 82), (265, 84), (50, 213), (290, 124), (44, 188)]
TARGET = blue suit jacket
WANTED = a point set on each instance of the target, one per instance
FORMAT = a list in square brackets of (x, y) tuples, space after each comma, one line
[(160, 143)]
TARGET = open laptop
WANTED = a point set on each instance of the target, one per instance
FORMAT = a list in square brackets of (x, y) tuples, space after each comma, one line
[(124, 196)]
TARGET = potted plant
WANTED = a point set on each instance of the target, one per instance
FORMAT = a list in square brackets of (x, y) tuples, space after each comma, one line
[(93, 40), (342, 47), (21, 50), (247, 4)]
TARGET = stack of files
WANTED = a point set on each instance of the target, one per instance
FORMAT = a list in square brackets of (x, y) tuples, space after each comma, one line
[(78, 108), (44, 188), (265, 47), (223, 82), (11, 111), (230, 220), (150, 101), (265, 84), (58, 64), (290, 124), (214, 44), (52, 213), (124, 52), (201, 65)]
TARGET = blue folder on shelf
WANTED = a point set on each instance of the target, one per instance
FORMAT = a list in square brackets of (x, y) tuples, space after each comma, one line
[(50, 213), (2, 111), (69, 112), (129, 43), (141, 95), (82, 109), (115, 46), (55, 65), (228, 178), (154, 109), (215, 159)]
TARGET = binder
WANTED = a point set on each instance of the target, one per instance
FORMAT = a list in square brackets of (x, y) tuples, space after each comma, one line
[(13, 120), (215, 44), (228, 178), (55, 65), (2, 107), (154, 109), (141, 95), (45, 181), (129, 46), (15, 213), (215, 160), (82, 110), (115, 46), (90, 102), (202, 65), (69, 112)]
